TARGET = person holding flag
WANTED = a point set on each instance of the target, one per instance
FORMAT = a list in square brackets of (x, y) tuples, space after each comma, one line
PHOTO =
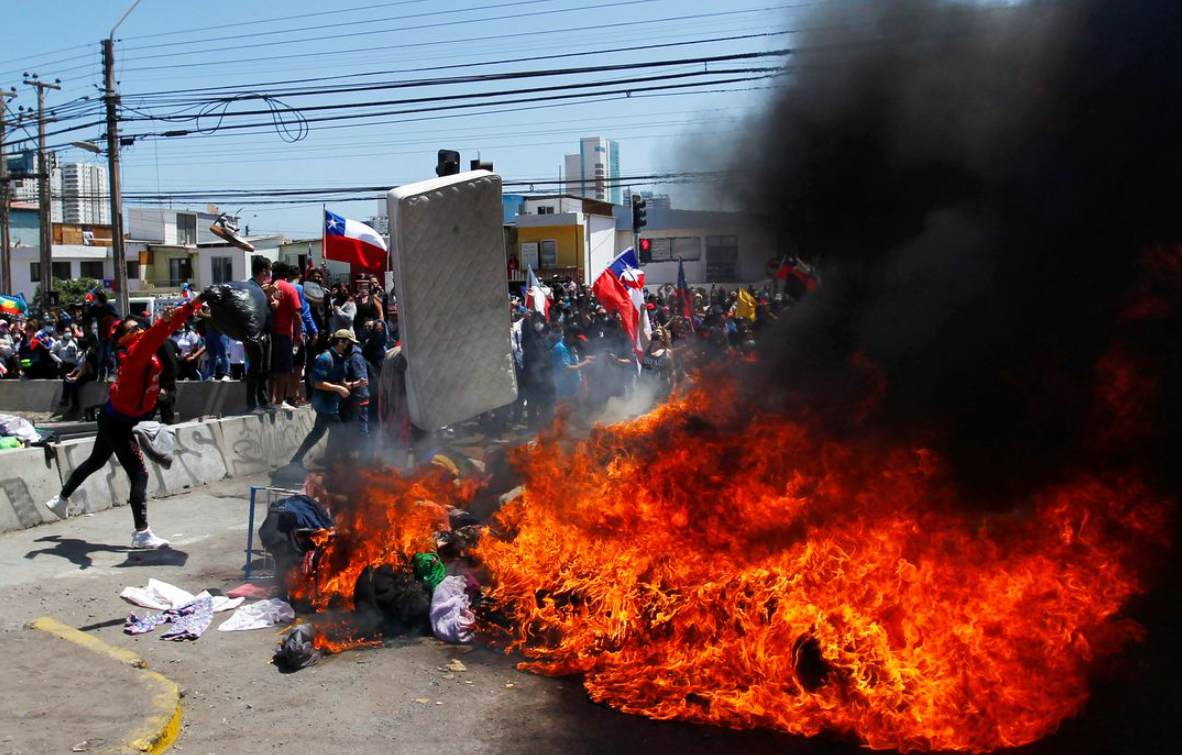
[(537, 295), (620, 290)]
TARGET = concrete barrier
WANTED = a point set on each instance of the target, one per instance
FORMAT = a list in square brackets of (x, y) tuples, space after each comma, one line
[(193, 399), (205, 452), (28, 478)]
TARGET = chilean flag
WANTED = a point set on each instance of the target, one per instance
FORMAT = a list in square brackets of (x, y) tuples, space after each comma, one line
[(620, 289), (353, 242), (538, 295)]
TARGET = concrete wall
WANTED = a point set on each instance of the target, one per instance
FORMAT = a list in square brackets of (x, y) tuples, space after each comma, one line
[(205, 452), (193, 399)]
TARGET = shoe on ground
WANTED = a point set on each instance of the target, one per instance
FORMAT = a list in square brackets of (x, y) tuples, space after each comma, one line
[(226, 379), (286, 406), (59, 506), (145, 540)]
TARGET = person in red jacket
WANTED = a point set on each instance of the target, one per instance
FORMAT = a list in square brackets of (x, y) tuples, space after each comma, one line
[(132, 397)]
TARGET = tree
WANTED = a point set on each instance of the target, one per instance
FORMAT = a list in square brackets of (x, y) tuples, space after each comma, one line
[(73, 290)]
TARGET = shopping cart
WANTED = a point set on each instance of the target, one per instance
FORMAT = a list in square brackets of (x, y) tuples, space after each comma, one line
[(259, 563)]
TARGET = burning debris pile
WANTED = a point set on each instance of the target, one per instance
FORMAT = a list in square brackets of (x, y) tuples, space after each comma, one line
[(920, 520)]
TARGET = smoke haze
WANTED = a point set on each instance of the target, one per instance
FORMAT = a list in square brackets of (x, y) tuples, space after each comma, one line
[(979, 185)]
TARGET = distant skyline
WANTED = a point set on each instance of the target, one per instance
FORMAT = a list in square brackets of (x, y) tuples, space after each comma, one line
[(166, 50)]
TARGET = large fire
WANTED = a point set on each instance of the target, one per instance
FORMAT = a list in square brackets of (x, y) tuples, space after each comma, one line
[(715, 562)]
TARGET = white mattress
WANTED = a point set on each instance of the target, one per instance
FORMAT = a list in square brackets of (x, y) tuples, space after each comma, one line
[(451, 280)]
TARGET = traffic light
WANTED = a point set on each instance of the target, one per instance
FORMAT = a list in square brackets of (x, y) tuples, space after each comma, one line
[(646, 251), (448, 164), (639, 213)]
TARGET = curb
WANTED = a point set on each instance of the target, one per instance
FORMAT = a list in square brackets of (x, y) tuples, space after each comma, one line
[(157, 732)]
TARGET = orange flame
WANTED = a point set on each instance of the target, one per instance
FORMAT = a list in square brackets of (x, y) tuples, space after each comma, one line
[(714, 564)]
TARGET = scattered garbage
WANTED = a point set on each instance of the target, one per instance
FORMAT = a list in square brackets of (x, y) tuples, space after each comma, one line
[(451, 615), (189, 621), (265, 613), (253, 590), (296, 650), (19, 428), (161, 596), (394, 594), (456, 665), (429, 569)]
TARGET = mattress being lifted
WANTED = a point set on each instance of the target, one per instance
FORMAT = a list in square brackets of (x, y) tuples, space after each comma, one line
[(451, 281)]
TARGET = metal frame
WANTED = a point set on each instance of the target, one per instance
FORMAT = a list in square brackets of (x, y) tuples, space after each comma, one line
[(273, 494)]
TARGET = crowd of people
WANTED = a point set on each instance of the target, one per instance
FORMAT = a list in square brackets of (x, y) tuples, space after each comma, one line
[(328, 344)]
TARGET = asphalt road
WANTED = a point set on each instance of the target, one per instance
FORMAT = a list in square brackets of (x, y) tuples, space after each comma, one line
[(399, 698)]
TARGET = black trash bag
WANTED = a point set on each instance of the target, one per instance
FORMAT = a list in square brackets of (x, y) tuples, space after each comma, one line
[(296, 650), (393, 593), (239, 309)]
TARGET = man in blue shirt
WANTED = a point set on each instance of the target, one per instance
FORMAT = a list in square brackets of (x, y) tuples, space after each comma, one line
[(568, 378), (330, 386)]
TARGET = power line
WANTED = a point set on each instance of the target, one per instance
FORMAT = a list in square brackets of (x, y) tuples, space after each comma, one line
[(470, 79)]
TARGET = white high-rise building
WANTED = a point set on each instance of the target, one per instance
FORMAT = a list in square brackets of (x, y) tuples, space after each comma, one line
[(85, 196), (594, 171), (79, 193)]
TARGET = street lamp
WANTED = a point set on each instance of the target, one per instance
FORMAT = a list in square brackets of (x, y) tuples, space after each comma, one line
[(88, 146)]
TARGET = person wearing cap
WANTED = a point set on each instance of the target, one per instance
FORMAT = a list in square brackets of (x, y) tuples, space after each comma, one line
[(330, 385), (132, 397)]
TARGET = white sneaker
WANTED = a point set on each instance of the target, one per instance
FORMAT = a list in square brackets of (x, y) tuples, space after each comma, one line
[(145, 540), (59, 505), (287, 406), (226, 379)]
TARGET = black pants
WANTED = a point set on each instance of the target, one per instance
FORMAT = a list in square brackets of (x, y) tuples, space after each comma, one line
[(166, 405), (324, 424), (258, 358), (115, 437)]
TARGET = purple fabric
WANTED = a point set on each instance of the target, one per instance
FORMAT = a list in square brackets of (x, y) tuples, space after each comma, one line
[(188, 622)]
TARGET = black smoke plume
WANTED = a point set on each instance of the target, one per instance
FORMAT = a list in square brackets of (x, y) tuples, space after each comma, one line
[(979, 185)]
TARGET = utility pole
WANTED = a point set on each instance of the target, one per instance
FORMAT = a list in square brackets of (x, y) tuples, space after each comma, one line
[(43, 172), (117, 247), (112, 99), (5, 233)]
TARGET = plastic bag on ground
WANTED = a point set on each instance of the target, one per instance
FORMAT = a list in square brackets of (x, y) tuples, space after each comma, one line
[(265, 613)]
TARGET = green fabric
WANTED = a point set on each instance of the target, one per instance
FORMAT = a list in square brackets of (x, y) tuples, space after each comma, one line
[(429, 569), (9, 442)]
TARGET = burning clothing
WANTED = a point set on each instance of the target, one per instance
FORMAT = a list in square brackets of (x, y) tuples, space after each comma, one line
[(429, 569)]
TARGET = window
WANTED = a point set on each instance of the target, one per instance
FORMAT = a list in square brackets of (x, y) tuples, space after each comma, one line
[(546, 209), (35, 272), (133, 271), (91, 269), (549, 253), (722, 259), (180, 269), (221, 269), (688, 248), (186, 229), (61, 271)]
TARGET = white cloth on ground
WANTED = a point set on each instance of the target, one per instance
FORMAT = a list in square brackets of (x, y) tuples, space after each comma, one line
[(451, 616), (265, 613), (164, 597)]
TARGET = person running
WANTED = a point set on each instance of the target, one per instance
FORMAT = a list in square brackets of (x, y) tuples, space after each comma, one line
[(132, 397), (330, 385)]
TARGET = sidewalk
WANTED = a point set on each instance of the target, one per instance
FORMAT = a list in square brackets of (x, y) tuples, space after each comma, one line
[(57, 695)]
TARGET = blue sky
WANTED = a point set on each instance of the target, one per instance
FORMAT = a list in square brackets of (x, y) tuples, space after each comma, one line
[(177, 46)]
